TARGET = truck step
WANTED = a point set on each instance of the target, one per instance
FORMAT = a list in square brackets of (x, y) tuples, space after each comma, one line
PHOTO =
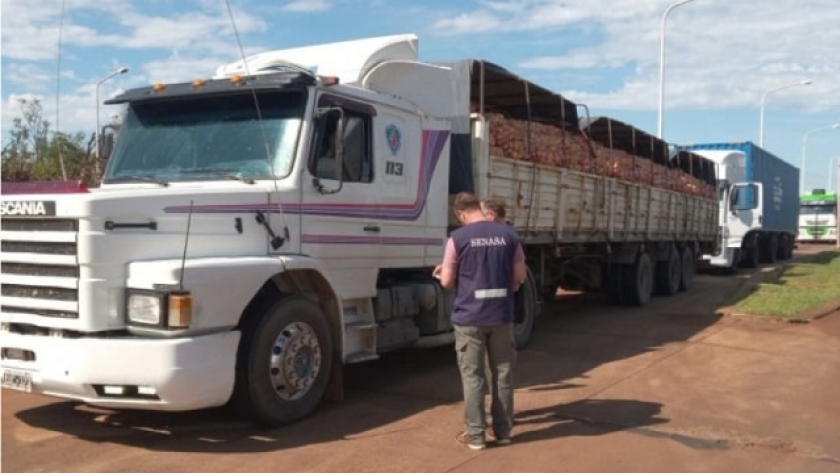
[(359, 357), (360, 325)]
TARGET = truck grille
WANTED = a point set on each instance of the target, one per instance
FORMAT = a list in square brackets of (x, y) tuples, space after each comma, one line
[(40, 292), (28, 269), (48, 248), (40, 271), (39, 225)]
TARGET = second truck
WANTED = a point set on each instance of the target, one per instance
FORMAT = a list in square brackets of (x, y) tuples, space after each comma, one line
[(256, 231), (759, 204)]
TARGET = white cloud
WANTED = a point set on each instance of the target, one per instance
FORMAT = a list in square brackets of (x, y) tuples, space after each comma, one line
[(307, 6), (527, 15), (31, 32), (27, 74), (719, 54), (177, 68)]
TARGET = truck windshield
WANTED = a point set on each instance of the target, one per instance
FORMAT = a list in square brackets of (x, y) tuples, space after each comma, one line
[(208, 137)]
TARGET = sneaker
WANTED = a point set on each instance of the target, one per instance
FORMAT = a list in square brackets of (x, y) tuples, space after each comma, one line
[(500, 439), (473, 443)]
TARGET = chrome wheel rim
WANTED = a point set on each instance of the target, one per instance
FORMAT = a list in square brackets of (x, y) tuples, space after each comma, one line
[(295, 361)]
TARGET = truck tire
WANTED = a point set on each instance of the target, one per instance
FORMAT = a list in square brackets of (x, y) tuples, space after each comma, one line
[(687, 268), (791, 244), (283, 363), (526, 306), (784, 250), (638, 281), (736, 263), (614, 286), (751, 257), (772, 249), (669, 274)]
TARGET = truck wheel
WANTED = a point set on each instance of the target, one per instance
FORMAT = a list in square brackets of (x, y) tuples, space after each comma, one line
[(614, 286), (751, 260), (782, 253), (736, 263), (526, 308), (771, 249), (283, 363), (669, 274), (638, 281), (687, 269)]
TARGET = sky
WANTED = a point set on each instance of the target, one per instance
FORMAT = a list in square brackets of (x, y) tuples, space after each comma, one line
[(722, 56)]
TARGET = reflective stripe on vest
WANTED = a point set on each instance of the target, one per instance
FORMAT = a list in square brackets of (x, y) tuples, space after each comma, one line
[(490, 293)]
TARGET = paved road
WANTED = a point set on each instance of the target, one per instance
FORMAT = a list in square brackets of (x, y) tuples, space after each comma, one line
[(669, 388)]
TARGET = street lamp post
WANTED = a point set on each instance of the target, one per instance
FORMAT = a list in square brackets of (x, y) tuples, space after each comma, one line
[(662, 65), (804, 149), (121, 70), (832, 163), (764, 99)]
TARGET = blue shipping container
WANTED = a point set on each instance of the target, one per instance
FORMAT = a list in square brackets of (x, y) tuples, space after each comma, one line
[(780, 180)]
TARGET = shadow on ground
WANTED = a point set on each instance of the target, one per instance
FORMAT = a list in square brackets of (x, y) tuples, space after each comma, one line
[(576, 335)]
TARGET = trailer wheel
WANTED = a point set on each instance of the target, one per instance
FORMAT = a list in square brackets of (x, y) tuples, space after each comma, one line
[(526, 307), (283, 363), (669, 274), (687, 269), (638, 281)]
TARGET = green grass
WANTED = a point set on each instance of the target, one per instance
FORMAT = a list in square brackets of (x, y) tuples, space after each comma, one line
[(801, 288)]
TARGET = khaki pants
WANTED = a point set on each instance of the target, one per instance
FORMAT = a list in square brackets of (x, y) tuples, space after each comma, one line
[(479, 348)]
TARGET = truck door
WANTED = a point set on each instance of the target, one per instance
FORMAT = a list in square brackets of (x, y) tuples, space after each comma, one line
[(402, 180), (745, 207), (340, 209)]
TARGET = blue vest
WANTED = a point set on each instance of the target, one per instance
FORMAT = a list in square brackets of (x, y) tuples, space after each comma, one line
[(484, 294)]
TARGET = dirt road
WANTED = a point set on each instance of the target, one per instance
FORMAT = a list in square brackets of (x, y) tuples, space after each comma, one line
[(669, 388)]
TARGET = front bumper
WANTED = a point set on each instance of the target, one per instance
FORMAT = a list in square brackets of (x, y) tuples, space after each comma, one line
[(724, 259), (186, 373)]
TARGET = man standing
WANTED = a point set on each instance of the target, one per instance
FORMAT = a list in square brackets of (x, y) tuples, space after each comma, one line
[(494, 211), (485, 263)]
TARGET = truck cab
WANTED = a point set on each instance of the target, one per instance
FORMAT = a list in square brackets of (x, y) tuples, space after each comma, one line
[(818, 216), (755, 191), (253, 232)]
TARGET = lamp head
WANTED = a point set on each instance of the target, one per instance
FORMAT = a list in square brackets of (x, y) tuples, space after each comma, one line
[(122, 70), (806, 82)]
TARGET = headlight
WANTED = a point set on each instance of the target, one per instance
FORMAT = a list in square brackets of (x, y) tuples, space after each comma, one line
[(159, 309), (144, 307)]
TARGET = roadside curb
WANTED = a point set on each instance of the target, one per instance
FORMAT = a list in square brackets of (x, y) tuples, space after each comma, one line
[(763, 275)]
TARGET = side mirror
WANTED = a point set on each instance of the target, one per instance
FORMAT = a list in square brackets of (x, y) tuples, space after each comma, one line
[(107, 140), (337, 157), (734, 197)]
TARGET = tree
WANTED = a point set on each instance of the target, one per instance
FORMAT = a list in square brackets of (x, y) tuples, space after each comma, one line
[(34, 152)]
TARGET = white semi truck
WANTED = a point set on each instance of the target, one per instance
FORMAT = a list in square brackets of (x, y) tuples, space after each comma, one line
[(255, 232)]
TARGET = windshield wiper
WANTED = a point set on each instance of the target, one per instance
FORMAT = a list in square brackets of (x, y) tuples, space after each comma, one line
[(137, 177), (221, 172)]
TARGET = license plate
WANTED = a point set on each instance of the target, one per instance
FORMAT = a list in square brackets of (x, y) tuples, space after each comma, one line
[(19, 380)]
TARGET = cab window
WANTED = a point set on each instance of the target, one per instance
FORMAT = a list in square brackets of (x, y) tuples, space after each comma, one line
[(357, 159)]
